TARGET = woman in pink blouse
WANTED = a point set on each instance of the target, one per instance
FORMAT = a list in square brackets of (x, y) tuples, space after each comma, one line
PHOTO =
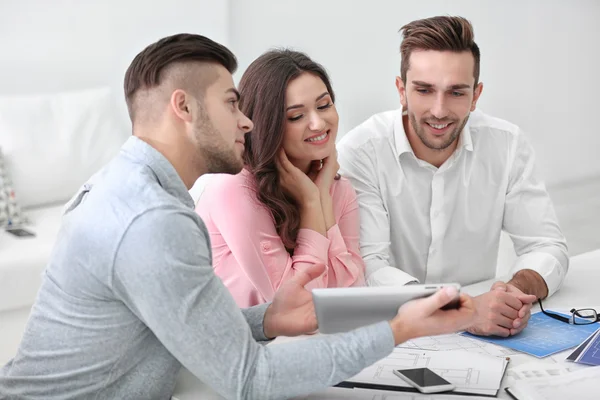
[(288, 209)]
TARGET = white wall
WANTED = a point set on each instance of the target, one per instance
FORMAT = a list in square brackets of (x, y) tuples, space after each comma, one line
[(540, 62), (55, 45)]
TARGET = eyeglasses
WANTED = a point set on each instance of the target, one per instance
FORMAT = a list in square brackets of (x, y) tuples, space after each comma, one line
[(581, 316)]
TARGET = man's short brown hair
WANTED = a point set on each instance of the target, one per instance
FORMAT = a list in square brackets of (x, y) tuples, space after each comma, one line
[(441, 33), (148, 67)]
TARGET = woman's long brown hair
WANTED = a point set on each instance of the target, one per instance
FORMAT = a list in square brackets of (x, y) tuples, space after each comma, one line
[(263, 88)]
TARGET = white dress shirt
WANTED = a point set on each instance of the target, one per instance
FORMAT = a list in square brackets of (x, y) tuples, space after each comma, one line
[(433, 225)]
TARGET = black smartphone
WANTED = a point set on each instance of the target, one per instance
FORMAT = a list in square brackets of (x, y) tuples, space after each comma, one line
[(424, 379), (20, 232)]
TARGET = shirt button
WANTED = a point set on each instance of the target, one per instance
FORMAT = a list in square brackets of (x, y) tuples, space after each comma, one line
[(435, 214), (431, 250)]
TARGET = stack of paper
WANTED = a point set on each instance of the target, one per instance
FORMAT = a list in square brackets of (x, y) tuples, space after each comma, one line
[(471, 373), (580, 385)]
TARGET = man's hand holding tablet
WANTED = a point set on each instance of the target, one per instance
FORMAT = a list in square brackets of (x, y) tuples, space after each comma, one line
[(413, 310)]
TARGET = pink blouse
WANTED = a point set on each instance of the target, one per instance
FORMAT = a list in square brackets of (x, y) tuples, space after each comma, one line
[(248, 254)]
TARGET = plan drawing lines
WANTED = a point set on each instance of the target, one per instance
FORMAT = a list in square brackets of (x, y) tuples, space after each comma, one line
[(384, 373), (457, 342)]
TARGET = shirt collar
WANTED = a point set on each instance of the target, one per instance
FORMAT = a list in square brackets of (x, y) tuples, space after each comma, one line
[(167, 177), (464, 140), (403, 145)]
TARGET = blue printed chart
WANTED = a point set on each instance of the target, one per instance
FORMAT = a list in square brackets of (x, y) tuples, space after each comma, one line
[(543, 336), (591, 352)]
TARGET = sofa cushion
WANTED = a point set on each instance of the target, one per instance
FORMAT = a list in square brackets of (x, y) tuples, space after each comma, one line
[(54, 142), (10, 211), (22, 260)]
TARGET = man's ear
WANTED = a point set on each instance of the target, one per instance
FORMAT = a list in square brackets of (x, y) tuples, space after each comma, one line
[(180, 103), (401, 91), (476, 94)]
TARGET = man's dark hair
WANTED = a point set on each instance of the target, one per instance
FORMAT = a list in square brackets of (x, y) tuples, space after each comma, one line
[(439, 34), (146, 69)]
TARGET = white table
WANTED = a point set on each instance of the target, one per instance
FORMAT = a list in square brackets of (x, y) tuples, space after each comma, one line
[(580, 290)]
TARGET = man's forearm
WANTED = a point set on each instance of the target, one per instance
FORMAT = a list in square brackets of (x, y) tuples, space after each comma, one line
[(379, 273), (316, 363), (530, 282)]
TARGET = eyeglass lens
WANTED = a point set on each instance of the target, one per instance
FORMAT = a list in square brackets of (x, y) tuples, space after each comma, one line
[(585, 316)]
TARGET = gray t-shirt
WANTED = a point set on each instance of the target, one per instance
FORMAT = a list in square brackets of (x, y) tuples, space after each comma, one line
[(129, 296)]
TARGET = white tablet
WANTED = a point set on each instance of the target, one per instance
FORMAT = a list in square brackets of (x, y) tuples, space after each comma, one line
[(344, 309)]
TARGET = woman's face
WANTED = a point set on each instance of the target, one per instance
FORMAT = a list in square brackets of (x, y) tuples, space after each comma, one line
[(311, 120)]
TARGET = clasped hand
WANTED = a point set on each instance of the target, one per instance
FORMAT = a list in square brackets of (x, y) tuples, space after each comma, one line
[(503, 311)]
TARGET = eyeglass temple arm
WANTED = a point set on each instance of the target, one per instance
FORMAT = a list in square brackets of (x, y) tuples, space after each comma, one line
[(555, 316)]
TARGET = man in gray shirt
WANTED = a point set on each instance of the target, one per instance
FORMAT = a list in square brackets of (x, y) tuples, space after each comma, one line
[(129, 294)]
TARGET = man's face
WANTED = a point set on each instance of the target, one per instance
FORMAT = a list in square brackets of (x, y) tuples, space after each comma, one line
[(439, 95), (220, 126)]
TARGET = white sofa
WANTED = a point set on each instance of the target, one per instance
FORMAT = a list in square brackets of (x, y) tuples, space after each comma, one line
[(52, 143)]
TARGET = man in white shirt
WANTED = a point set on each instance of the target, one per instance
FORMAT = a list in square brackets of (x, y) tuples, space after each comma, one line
[(438, 180)]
